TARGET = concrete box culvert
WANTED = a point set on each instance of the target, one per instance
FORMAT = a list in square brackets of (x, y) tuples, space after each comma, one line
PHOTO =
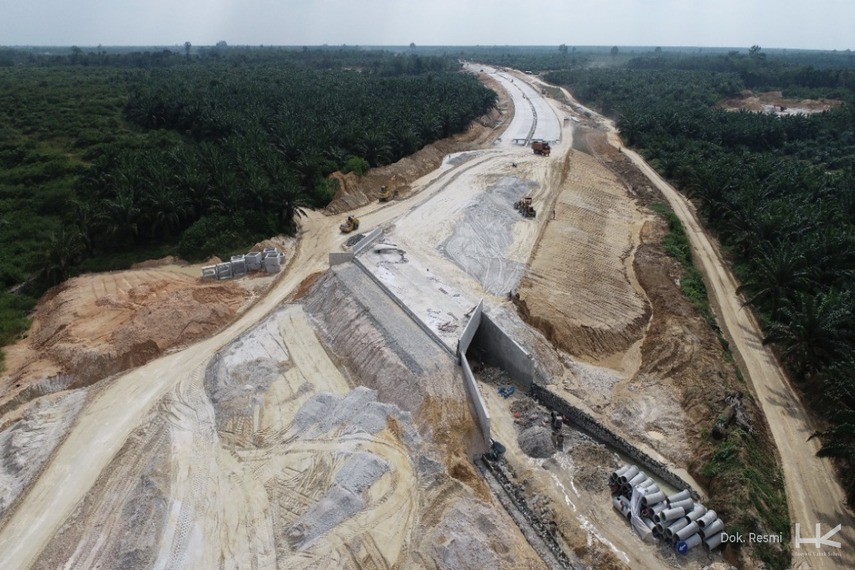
[(494, 347)]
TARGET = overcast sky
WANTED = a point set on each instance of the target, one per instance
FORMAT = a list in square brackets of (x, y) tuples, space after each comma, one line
[(815, 24)]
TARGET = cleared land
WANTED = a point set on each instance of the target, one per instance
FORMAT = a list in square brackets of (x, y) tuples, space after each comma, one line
[(324, 427)]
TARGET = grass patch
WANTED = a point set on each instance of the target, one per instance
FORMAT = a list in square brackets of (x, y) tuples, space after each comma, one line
[(740, 470), (746, 473), (676, 244)]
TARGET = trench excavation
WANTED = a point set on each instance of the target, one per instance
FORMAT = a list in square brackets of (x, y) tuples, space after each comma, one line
[(673, 516)]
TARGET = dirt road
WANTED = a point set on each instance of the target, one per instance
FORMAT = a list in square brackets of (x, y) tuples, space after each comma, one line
[(814, 493)]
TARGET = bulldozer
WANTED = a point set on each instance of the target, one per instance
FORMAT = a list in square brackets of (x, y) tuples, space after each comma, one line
[(541, 147), (523, 205), (386, 194), (349, 225)]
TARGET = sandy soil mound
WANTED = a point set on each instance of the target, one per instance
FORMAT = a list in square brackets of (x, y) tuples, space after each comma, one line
[(774, 102), (96, 325), (579, 290)]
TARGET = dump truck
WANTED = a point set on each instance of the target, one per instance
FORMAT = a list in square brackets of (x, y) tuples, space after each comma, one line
[(523, 205), (541, 147), (350, 224), (386, 194)]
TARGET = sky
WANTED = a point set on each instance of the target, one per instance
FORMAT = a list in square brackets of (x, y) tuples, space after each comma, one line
[(805, 24)]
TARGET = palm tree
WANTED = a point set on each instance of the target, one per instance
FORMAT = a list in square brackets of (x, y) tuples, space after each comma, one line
[(63, 250), (838, 440), (120, 216), (814, 330), (164, 209), (776, 274)]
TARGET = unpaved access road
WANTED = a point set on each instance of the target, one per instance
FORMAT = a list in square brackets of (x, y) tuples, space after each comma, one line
[(813, 491), (172, 387)]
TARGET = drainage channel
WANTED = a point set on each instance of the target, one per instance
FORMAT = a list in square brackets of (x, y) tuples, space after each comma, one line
[(540, 535)]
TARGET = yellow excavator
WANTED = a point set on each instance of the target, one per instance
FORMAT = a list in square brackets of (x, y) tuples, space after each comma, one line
[(387, 194), (525, 208), (350, 224)]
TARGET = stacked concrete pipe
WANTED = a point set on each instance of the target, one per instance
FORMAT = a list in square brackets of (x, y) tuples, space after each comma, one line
[(675, 518)]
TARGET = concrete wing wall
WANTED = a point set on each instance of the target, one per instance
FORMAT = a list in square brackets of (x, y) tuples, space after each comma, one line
[(363, 244), (470, 329), (477, 400)]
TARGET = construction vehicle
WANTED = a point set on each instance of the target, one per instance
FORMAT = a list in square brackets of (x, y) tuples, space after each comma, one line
[(386, 194), (352, 223), (523, 205), (541, 147)]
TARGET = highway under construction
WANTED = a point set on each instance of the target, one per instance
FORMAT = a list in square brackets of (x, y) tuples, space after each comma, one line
[(453, 383)]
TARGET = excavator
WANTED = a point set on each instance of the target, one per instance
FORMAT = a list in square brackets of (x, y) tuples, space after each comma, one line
[(386, 194), (352, 223), (525, 208)]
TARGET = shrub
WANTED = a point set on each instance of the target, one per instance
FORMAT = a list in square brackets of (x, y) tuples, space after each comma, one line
[(356, 164)]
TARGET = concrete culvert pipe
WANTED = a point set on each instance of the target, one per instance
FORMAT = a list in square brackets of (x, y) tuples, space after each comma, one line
[(646, 483), (689, 543), (617, 473), (622, 506), (654, 488), (675, 526), (686, 504), (670, 515), (697, 512), (707, 518), (638, 478), (656, 509), (652, 499), (687, 531), (628, 474), (713, 542), (711, 529), (682, 495)]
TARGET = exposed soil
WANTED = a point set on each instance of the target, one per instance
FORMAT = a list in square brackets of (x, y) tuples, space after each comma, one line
[(337, 432), (774, 103)]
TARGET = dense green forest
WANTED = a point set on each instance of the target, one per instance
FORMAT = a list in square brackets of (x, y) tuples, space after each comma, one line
[(107, 158), (779, 191)]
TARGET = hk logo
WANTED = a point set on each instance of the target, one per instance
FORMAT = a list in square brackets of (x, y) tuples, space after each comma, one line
[(819, 540)]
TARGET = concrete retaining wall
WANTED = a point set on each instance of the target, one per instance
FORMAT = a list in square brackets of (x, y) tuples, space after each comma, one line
[(496, 348), (592, 427), (339, 257), (470, 329), (370, 238), (404, 307), (478, 402)]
